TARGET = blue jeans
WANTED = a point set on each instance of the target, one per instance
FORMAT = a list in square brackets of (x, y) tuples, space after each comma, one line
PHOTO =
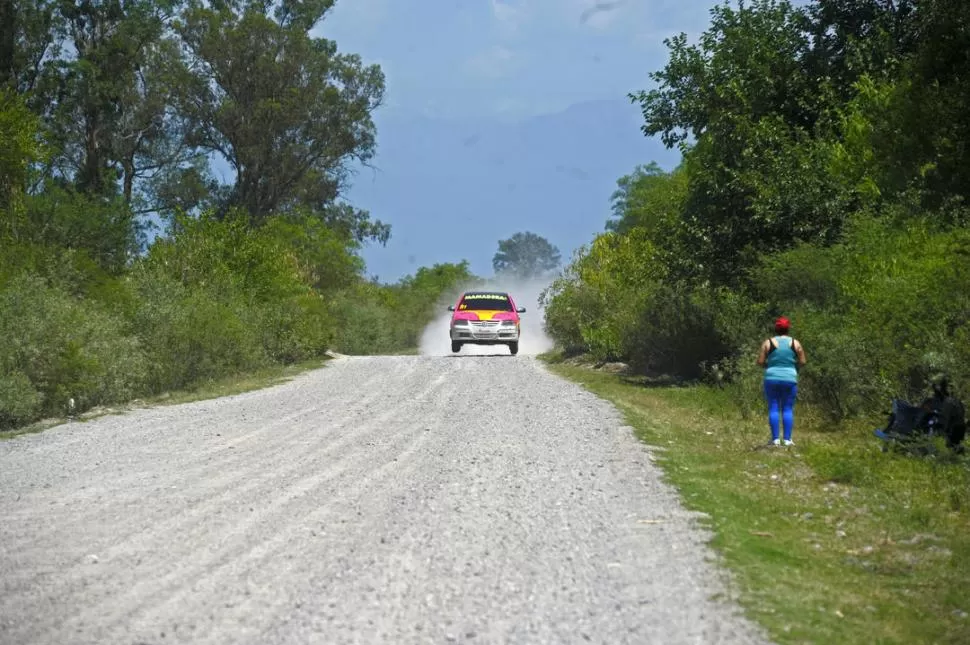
[(781, 395)]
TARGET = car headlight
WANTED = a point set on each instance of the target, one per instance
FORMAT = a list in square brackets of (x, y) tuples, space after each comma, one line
[(508, 323), (460, 323)]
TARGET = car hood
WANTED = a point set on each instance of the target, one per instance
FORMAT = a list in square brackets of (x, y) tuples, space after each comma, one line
[(485, 315)]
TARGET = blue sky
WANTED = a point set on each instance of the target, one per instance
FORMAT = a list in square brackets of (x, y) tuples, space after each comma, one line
[(513, 58), (497, 61)]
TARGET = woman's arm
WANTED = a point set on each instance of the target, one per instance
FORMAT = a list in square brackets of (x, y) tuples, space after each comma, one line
[(800, 351), (763, 354)]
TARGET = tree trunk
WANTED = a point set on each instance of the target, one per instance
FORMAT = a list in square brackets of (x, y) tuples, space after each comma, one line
[(8, 42)]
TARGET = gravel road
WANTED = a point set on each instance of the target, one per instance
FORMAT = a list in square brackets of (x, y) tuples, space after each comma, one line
[(411, 499)]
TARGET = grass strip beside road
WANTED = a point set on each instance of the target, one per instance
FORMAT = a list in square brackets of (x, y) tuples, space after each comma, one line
[(211, 389), (833, 541)]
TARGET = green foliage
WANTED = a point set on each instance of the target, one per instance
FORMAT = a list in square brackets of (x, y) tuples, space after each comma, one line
[(193, 333), (64, 218), (111, 111), (28, 32), (881, 311), (225, 255), (366, 322), (283, 107), (20, 402), (325, 256), (219, 297), (101, 93), (594, 304), (525, 255), (58, 348), (822, 179), (652, 200), (18, 131), (932, 102), (377, 319)]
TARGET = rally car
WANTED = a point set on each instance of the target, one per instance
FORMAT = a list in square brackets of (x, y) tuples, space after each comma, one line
[(485, 318)]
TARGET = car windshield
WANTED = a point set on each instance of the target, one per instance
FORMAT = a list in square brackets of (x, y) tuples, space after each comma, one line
[(485, 301)]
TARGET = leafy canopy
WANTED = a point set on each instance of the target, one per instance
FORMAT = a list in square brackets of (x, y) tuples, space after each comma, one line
[(525, 255)]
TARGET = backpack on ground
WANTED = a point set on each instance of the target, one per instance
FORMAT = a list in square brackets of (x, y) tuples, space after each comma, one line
[(914, 426)]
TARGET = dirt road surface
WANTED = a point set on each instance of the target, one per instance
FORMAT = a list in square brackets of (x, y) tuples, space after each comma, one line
[(472, 499)]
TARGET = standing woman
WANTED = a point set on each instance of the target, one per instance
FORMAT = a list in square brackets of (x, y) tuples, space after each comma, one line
[(781, 357)]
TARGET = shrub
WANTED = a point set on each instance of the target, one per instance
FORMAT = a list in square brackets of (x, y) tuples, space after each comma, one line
[(677, 333), (295, 329), (63, 348), (365, 322), (191, 333), (878, 313), (20, 402), (596, 301), (219, 297)]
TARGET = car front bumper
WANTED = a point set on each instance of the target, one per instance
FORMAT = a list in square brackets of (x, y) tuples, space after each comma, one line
[(485, 333)]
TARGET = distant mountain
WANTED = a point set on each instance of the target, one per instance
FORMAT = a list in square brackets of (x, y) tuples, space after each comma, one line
[(452, 189)]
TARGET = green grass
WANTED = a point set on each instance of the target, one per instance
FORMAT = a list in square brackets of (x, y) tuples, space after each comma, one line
[(227, 386), (833, 541)]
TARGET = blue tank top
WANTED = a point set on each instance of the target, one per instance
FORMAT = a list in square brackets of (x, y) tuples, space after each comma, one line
[(780, 364)]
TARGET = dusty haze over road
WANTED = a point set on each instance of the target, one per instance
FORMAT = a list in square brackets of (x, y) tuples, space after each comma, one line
[(422, 499)]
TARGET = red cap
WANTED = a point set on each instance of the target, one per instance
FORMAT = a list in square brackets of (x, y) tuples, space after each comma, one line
[(782, 325)]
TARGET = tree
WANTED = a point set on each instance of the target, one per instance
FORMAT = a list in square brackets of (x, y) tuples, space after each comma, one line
[(933, 100), (29, 33), (106, 104), (525, 255), (759, 124), (18, 131), (285, 109), (856, 38), (649, 198)]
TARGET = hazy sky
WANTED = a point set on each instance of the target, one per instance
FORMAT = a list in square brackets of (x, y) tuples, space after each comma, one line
[(510, 58), (483, 61)]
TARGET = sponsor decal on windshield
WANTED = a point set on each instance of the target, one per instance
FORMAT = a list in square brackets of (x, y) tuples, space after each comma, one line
[(480, 296)]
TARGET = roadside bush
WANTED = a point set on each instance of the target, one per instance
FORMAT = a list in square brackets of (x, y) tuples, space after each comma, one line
[(844, 376), (219, 297), (597, 300), (57, 347), (192, 334), (879, 313), (20, 402), (366, 322), (295, 329), (567, 302), (676, 333)]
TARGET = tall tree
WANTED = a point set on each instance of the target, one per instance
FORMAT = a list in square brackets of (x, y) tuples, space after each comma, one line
[(649, 198), (525, 255), (742, 95), (283, 108), (29, 41), (18, 131), (105, 104), (934, 99), (856, 38)]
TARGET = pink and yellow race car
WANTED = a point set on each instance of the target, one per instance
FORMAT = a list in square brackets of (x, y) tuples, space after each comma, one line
[(485, 318)]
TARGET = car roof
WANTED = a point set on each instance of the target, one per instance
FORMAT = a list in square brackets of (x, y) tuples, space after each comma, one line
[(490, 293)]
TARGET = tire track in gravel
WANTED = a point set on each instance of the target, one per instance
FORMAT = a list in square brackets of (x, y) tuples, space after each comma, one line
[(385, 499), (277, 480), (220, 479)]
